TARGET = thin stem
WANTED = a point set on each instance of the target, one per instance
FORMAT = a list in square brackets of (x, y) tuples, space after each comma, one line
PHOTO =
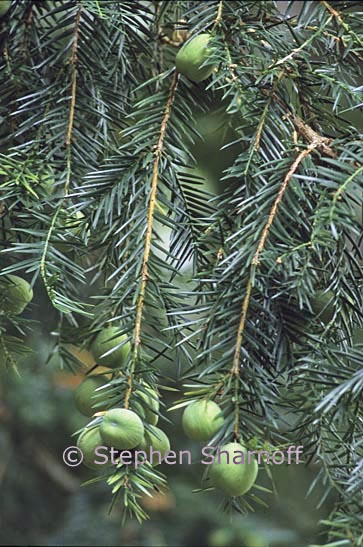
[(73, 60), (332, 11), (235, 370), (218, 19), (241, 326), (304, 45), (72, 107), (262, 122), (271, 217), (304, 130), (150, 218), (339, 18)]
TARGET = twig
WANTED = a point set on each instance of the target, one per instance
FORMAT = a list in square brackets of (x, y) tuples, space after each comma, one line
[(292, 170), (235, 370), (261, 124), (305, 131), (73, 60), (218, 19), (307, 42), (309, 135), (150, 219), (332, 11), (72, 107)]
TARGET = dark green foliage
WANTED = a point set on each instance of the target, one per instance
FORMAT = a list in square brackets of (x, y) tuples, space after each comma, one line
[(95, 120)]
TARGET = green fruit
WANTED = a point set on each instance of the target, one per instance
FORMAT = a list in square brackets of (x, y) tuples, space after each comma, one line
[(223, 537), (202, 420), (71, 228), (4, 7), (15, 294), (234, 479), (88, 441), (323, 305), (122, 428), (72, 221), (147, 404), (253, 540), (86, 396), (106, 340), (192, 55), (46, 181), (156, 439)]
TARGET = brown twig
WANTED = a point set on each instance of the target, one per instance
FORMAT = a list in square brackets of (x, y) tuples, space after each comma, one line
[(218, 19), (332, 11), (74, 61), (235, 370), (284, 185), (166, 40), (309, 135), (149, 226)]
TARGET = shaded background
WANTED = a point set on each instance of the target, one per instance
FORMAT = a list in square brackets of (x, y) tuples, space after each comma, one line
[(43, 501)]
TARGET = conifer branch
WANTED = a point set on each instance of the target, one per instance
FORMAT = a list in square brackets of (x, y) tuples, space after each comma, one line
[(261, 124), (291, 172), (332, 11), (73, 61), (149, 227), (235, 371), (305, 131), (309, 135), (307, 42), (218, 19)]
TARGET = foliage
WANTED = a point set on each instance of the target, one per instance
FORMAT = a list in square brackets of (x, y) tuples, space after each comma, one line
[(91, 102)]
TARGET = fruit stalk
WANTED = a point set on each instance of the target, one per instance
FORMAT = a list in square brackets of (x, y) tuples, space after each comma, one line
[(150, 218)]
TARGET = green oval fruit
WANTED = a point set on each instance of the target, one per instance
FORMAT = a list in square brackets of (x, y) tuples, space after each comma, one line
[(147, 404), (4, 7), (323, 305), (86, 395), (192, 55), (46, 181), (223, 537), (253, 540), (234, 479), (88, 441), (121, 428), (106, 340), (72, 221), (15, 294), (156, 439), (70, 229), (202, 420)]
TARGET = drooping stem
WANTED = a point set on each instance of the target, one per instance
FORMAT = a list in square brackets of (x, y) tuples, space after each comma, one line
[(218, 19), (149, 227), (235, 370), (73, 61), (68, 143)]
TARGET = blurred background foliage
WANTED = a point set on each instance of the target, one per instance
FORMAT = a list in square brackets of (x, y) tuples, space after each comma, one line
[(43, 502)]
